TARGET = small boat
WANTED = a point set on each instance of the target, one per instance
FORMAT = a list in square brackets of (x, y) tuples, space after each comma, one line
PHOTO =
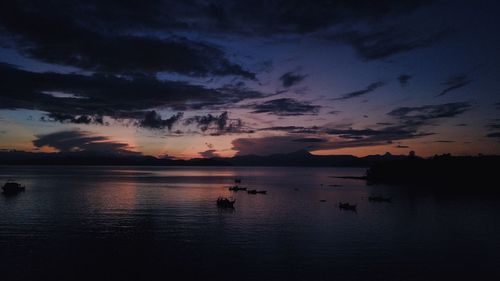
[(252, 191), (262, 191), (379, 199), (237, 188), (322, 200), (12, 188), (347, 206), (237, 180), (223, 202)]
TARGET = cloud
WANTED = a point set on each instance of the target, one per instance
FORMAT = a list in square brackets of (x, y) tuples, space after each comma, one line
[(153, 120), (302, 17), (370, 88), (82, 141), (386, 42), (286, 107), (291, 78), (422, 115), (454, 83), (493, 135), (293, 129), (290, 143), (408, 124), (70, 36), (270, 145), (404, 79), (310, 140), (218, 124), (128, 36), (210, 153), (75, 119), (90, 97), (493, 126)]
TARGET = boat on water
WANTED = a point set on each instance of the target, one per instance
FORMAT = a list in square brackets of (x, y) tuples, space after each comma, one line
[(226, 203), (237, 188), (254, 191), (347, 206), (12, 188), (379, 199)]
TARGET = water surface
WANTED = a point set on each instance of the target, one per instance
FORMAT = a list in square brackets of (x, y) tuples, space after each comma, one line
[(150, 223)]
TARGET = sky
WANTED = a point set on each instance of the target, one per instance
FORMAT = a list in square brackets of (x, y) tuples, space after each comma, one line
[(186, 79)]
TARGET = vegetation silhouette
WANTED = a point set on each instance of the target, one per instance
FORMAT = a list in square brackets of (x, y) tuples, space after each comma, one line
[(447, 171)]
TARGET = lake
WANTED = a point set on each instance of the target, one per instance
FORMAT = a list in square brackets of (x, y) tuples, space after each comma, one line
[(151, 223)]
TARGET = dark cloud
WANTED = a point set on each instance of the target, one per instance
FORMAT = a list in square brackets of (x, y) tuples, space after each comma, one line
[(309, 140), (60, 33), (96, 95), (130, 36), (454, 83), (424, 115), (82, 141), (153, 120), (75, 119), (408, 125), (286, 107), (404, 79), (493, 126), (370, 137), (402, 146), (291, 78), (493, 135), (210, 153), (293, 129), (270, 145), (380, 44), (285, 144), (218, 124), (264, 18), (370, 88)]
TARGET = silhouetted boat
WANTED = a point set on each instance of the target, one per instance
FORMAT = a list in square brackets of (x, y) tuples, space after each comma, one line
[(379, 199), (223, 202), (237, 180), (253, 191), (12, 188), (237, 188), (347, 206)]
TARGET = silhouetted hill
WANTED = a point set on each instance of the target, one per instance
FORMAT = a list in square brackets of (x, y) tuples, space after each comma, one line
[(86, 158), (304, 158), (479, 172), (298, 158)]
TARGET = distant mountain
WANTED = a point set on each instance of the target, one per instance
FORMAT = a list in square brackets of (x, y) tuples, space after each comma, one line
[(304, 158), (298, 158)]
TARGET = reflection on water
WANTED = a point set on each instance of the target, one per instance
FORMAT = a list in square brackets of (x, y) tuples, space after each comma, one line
[(141, 223)]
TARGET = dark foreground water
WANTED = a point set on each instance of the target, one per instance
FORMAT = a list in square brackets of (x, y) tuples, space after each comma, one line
[(161, 223)]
